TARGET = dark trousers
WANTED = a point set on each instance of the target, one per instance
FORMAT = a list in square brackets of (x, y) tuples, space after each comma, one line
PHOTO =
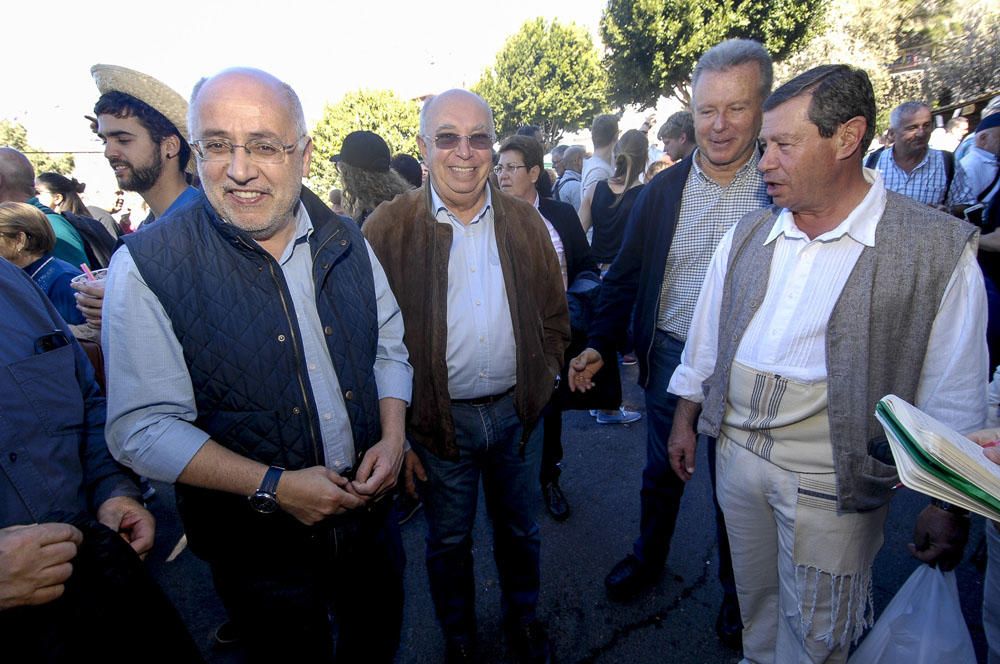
[(488, 438), (661, 488), (552, 449), (289, 598)]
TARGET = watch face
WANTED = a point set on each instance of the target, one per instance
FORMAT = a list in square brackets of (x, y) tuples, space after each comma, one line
[(264, 503)]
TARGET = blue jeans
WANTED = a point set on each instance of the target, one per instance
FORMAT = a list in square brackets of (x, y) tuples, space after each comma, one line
[(661, 488), (488, 439)]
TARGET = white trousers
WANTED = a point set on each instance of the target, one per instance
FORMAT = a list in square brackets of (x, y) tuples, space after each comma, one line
[(793, 611)]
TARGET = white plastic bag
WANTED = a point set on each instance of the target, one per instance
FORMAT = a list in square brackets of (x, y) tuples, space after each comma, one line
[(923, 624)]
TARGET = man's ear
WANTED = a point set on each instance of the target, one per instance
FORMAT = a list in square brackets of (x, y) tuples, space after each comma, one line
[(849, 136), (171, 146)]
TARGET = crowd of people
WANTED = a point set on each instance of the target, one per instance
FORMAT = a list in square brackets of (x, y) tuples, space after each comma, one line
[(290, 366)]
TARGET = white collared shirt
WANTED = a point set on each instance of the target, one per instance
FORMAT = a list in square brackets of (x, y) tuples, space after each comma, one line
[(481, 354), (788, 333)]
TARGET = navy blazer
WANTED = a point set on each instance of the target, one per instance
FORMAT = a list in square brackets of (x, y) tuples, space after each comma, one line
[(565, 220), (636, 275)]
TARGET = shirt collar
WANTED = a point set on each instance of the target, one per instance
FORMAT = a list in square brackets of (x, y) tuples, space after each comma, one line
[(303, 229), (439, 205), (748, 167), (984, 155), (859, 224)]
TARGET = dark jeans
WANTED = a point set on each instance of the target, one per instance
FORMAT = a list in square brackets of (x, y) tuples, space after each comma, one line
[(489, 447), (661, 488), (282, 596)]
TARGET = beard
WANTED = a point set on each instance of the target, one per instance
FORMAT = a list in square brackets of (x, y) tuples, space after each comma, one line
[(142, 179)]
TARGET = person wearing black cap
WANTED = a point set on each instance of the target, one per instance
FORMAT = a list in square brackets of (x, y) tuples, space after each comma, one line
[(368, 178)]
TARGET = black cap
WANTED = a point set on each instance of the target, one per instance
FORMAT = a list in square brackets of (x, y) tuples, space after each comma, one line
[(989, 122), (365, 150)]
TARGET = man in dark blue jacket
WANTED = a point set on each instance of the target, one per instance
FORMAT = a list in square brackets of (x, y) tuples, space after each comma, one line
[(672, 232)]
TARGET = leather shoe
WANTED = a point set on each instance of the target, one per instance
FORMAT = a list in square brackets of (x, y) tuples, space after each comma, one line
[(460, 649), (530, 641), (555, 501), (628, 578), (729, 625)]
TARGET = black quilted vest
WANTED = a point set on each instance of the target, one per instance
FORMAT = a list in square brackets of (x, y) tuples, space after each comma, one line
[(232, 313)]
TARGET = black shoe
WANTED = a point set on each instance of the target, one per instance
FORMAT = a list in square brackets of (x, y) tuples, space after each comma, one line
[(460, 649), (628, 578), (406, 506), (729, 625), (226, 634), (530, 641), (555, 501)]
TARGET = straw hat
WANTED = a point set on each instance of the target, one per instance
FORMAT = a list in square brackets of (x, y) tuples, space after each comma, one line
[(112, 78)]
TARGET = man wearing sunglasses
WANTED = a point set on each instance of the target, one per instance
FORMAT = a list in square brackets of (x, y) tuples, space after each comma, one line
[(255, 359), (480, 289)]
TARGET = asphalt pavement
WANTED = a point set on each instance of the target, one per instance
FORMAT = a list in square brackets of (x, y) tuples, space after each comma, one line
[(672, 622)]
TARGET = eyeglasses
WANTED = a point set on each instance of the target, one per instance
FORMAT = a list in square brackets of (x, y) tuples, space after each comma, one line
[(510, 168), (260, 150), (451, 141)]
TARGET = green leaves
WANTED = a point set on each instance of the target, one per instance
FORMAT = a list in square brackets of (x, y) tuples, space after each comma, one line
[(653, 45), (394, 119), (547, 75), (14, 135)]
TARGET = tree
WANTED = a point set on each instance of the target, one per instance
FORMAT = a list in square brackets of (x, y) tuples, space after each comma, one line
[(653, 45), (966, 62), (548, 75), (13, 134), (380, 111)]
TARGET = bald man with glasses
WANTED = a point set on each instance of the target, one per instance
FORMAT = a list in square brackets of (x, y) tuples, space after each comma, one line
[(481, 291)]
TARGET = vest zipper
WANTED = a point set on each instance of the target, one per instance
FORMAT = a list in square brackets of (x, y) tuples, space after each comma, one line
[(295, 349)]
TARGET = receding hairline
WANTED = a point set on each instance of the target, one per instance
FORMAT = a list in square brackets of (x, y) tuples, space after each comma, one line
[(432, 102), (258, 76)]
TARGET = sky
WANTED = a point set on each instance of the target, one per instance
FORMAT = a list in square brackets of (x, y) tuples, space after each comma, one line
[(322, 49)]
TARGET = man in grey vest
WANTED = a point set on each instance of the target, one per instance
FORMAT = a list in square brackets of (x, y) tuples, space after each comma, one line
[(793, 342)]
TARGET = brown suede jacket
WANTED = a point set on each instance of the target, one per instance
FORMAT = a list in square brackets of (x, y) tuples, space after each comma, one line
[(413, 248)]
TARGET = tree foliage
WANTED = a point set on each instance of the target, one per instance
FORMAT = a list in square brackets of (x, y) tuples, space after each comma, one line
[(965, 62), (653, 45), (13, 134), (381, 111), (548, 75)]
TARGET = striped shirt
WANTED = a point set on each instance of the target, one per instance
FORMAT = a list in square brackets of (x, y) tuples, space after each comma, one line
[(708, 210)]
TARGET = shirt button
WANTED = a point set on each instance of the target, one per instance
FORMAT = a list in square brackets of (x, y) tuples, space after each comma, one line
[(472, 269), (327, 330), (281, 338), (327, 416), (478, 303), (343, 243), (312, 367), (296, 410), (349, 395)]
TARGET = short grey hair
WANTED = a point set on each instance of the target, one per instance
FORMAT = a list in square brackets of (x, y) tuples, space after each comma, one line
[(429, 102), (573, 152), (905, 109), (733, 53), (559, 151), (294, 106)]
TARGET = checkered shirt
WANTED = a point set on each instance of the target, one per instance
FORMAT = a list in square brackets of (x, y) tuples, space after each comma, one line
[(925, 183), (708, 210)]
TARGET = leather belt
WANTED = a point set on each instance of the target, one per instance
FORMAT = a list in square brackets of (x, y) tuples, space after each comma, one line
[(483, 401)]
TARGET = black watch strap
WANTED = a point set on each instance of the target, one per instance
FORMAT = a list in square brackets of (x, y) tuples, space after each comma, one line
[(269, 484), (949, 507)]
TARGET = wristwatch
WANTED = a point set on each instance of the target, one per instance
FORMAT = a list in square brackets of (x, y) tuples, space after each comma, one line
[(264, 499)]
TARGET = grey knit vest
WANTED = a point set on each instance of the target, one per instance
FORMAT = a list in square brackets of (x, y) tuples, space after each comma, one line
[(876, 338)]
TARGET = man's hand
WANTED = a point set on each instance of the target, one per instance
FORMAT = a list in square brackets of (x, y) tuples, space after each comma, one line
[(413, 470), (582, 369), (989, 440), (312, 494), (35, 562), (379, 469), (90, 300), (127, 517), (681, 451), (939, 538)]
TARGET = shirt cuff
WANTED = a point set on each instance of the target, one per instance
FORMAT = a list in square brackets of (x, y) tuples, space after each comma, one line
[(394, 380), (121, 484), (686, 384), (170, 444)]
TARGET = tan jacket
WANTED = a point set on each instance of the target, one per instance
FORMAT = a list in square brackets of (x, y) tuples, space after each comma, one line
[(413, 248)]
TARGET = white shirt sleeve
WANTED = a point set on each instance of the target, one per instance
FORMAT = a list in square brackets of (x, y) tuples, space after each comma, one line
[(698, 357), (954, 379)]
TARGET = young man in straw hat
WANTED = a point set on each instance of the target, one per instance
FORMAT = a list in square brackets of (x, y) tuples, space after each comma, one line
[(144, 128)]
